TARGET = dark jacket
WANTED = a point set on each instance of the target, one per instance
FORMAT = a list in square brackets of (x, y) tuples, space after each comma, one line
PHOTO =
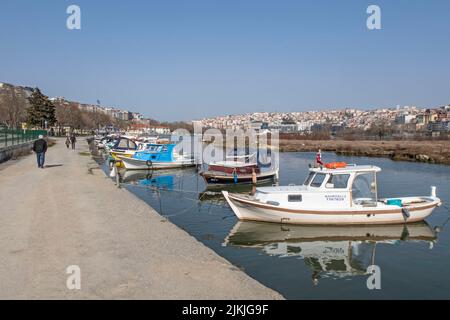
[(40, 146)]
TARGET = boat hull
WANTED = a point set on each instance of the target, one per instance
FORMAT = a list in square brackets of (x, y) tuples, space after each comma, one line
[(219, 179), (247, 169), (248, 209), (137, 164), (117, 155)]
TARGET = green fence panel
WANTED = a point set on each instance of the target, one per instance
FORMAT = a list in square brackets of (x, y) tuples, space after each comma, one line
[(10, 137)]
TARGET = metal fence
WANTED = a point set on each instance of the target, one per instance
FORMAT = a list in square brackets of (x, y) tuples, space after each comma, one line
[(10, 137)]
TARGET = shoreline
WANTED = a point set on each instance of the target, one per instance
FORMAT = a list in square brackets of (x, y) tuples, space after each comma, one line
[(434, 152)]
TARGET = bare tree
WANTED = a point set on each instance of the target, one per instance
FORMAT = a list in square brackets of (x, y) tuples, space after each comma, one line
[(121, 124), (96, 119), (69, 115), (13, 104)]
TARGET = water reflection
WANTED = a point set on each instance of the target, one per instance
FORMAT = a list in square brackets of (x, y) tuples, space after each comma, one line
[(329, 251), (158, 179), (216, 194)]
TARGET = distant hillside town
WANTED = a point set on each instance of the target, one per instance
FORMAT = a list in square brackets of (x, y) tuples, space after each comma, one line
[(404, 120)]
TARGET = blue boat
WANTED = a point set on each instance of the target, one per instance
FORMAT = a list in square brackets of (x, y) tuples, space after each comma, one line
[(157, 156)]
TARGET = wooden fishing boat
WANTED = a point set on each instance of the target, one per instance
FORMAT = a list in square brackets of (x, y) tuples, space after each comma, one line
[(346, 195), (237, 171), (230, 172)]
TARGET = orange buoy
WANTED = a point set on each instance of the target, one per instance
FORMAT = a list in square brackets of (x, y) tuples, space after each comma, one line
[(335, 165)]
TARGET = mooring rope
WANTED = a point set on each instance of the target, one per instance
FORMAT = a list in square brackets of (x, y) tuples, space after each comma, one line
[(446, 208), (441, 227), (153, 188), (159, 188), (196, 202)]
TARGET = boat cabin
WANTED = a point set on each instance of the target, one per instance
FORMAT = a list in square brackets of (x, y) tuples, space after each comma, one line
[(123, 144), (236, 164), (344, 187), (157, 152)]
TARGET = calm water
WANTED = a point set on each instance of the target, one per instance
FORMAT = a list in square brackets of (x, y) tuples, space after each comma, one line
[(317, 262)]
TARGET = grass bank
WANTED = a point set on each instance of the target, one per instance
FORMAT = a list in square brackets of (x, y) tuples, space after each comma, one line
[(416, 151)]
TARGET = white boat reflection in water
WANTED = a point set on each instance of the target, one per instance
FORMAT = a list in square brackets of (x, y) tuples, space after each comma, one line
[(330, 251)]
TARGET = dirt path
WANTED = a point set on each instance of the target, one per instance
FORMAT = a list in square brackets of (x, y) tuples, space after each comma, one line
[(63, 215)]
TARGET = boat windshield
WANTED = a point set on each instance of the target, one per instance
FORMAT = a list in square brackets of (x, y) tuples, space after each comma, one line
[(308, 180), (338, 181), (364, 189), (318, 180), (123, 144)]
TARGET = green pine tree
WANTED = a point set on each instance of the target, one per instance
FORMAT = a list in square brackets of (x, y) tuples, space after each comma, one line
[(41, 110)]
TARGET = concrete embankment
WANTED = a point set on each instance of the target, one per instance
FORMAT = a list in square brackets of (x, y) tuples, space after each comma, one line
[(70, 213), (11, 152)]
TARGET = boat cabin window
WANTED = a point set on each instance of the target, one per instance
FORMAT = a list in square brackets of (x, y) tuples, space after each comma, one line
[(318, 180), (338, 181), (295, 198), (308, 180), (123, 143), (132, 145), (364, 189)]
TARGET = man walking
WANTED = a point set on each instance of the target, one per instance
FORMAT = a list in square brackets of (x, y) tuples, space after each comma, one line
[(73, 139), (40, 148)]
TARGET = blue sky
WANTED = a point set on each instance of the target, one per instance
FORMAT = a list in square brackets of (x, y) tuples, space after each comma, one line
[(181, 60)]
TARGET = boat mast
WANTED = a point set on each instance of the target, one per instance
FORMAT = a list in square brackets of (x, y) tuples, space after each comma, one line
[(376, 187)]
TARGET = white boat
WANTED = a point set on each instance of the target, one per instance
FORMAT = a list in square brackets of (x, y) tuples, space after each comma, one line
[(149, 139), (342, 196)]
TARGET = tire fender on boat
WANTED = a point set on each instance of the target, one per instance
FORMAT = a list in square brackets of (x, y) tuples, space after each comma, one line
[(406, 213)]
